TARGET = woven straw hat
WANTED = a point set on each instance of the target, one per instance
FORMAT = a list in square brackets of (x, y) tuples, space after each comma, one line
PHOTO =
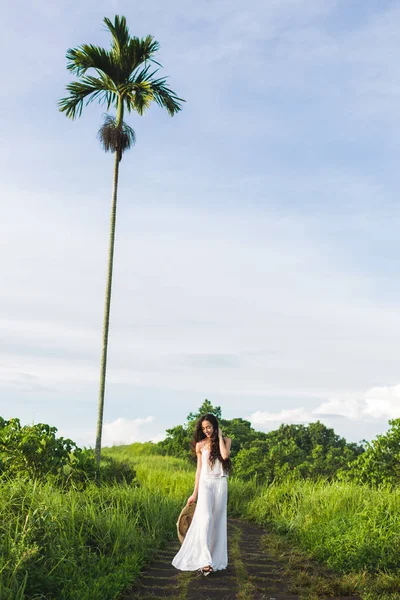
[(184, 520)]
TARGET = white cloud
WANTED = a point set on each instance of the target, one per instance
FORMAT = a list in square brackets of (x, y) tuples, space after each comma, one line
[(348, 407), (127, 431), (294, 415), (376, 403), (380, 402), (383, 402)]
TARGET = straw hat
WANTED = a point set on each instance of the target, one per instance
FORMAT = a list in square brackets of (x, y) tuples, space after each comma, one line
[(184, 520)]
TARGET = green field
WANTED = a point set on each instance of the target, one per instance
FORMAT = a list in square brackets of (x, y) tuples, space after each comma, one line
[(90, 544)]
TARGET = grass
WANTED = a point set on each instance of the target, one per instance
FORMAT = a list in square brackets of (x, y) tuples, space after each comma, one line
[(91, 544), (354, 530), (351, 529), (78, 545), (311, 579), (347, 526)]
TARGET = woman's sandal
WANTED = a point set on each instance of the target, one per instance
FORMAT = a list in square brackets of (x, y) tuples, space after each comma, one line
[(207, 570)]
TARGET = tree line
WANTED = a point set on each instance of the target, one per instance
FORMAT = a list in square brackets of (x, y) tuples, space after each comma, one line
[(298, 451), (295, 452)]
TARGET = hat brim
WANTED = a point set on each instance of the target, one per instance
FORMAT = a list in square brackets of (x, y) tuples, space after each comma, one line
[(184, 520)]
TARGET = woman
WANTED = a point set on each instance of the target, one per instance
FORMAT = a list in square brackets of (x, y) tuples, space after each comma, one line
[(205, 545)]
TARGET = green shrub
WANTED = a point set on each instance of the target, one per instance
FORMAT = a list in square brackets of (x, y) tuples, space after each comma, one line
[(35, 452), (295, 452), (380, 463), (114, 471)]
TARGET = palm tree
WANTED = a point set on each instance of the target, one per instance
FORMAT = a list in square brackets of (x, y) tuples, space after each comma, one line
[(125, 79)]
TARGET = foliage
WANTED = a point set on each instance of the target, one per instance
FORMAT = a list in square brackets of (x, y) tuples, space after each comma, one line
[(177, 443), (35, 452), (136, 449), (380, 463), (347, 525), (179, 438), (122, 75), (78, 545), (296, 451), (204, 409), (351, 527), (242, 434), (114, 471)]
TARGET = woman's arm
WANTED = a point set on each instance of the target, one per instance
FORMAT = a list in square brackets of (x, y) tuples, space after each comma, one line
[(193, 497), (224, 445)]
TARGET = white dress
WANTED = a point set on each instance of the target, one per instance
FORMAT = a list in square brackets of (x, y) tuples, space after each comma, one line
[(205, 542)]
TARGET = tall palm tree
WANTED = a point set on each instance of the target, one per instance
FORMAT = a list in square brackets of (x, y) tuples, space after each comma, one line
[(125, 79)]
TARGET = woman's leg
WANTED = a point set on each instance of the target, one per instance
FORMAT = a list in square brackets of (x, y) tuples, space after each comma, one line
[(218, 539), (194, 553), (207, 524)]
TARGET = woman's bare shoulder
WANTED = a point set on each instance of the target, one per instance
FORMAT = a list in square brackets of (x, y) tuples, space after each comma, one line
[(199, 446)]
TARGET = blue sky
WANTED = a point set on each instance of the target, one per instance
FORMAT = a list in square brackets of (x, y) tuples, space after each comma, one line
[(257, 239)]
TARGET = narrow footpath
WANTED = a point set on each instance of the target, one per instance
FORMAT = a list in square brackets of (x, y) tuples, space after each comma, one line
[(254, 573)]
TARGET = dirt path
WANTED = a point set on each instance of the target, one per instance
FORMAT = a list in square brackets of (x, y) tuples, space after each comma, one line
[(255, 572)]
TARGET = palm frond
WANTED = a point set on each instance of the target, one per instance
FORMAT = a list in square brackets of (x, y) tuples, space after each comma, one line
[(139, 96), (142, 50), (89, 88), (114, 138), (88, 56), (142, 74), (123, 74), (120, 34), (165, 97), (135, 54), (142, 89), (137, 91), (129, 52)]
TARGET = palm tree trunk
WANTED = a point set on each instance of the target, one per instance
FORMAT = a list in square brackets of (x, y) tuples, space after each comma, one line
[(106, 320)]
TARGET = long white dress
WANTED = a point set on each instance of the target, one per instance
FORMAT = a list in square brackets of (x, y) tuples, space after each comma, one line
[(205, 542)]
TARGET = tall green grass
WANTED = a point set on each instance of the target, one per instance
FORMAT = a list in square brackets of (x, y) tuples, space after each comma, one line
[(350, 527), (91, 544), (173, 477), (85, 545)]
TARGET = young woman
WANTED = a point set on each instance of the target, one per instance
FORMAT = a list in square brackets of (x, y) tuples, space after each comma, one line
[(205, 545)]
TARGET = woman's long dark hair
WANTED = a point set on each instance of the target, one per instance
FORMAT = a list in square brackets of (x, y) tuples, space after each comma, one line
[(215, 453)]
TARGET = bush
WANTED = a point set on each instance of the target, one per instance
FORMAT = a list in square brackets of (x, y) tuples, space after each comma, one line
[(113, 471), (380, 463), (35, 452), (295, 452)]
